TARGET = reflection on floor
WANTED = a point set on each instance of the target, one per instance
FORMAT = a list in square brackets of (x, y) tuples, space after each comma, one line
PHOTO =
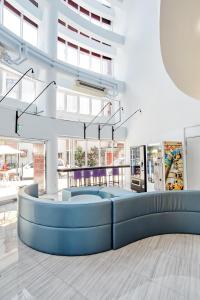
[(9, 189), (163, 267)]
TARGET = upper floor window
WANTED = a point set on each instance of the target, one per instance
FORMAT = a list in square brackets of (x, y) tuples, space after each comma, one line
[(72, 103), (30, 31), (60, 100), (72, 28), (106, 23), (96, 106), (28, 90), (24, 91), (90, 16), (96, 62), (19, 24), (106, 65), (72, 53), (95, 19), (80, 104), (12, 18), (84, 105), (61, 49), (10, 80), (73, 5), (84, 13), (83, 58)]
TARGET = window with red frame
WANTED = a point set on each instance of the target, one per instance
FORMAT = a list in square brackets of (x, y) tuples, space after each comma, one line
[(14, 20), (80, 32), (101, 21), (84, 58), (106, 65), (95, 19), (73, 4), (84, 13), (61, 49), (72, 53), (96, 62)]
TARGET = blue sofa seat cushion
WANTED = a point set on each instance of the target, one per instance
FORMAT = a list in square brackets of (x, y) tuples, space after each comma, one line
[(85, 199), (116, 191)]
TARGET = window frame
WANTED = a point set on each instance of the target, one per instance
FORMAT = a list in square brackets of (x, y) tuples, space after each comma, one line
[(22, 18)]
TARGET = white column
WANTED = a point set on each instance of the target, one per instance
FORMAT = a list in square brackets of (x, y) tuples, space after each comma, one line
[(52, 161), (52, 51), (50, 94)]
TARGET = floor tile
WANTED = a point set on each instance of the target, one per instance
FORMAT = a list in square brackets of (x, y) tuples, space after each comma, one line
[(160, 267)]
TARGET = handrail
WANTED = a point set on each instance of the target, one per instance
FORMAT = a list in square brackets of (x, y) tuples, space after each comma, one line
[(66, 170)]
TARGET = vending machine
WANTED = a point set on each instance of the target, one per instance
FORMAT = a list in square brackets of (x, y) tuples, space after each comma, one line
[(138, 168), (155, 172)]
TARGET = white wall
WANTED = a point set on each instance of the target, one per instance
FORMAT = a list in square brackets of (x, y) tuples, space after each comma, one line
[(45, 128), (193, 163), (165, 109)]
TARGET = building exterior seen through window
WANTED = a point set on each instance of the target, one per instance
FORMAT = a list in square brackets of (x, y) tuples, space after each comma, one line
[(21, 163), (90, 153)]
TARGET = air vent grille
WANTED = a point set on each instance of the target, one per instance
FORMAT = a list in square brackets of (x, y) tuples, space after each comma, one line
[(90, 86)]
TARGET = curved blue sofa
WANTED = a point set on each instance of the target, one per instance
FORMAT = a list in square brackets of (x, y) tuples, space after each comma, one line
[(64, 227), (117, 218), (149, 214)]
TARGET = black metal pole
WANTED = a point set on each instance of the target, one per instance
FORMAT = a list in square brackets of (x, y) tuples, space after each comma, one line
[(16, 122), (107, 123), (84, 133), (113, 131), (109, 103), (138, 110), (32, 71), (99, 132)]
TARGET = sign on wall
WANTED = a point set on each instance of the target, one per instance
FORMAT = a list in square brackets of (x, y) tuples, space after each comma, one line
[(174, 172)]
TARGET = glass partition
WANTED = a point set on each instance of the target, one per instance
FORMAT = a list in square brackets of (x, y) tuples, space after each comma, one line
[(90, 153), (93, 153), (118, 153), (79, 153), (73, 153), (106, 153), (21, 163)]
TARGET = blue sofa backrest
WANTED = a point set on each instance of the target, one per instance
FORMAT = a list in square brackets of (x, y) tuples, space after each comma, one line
[(130, 206)]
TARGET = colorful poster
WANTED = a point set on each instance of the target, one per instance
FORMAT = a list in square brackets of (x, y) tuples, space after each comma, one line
[(174, 176)]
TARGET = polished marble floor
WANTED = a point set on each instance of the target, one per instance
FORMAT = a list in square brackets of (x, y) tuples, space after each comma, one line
[(163, 267)]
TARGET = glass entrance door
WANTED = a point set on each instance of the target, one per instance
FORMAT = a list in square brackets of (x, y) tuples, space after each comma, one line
[(21, 163)]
